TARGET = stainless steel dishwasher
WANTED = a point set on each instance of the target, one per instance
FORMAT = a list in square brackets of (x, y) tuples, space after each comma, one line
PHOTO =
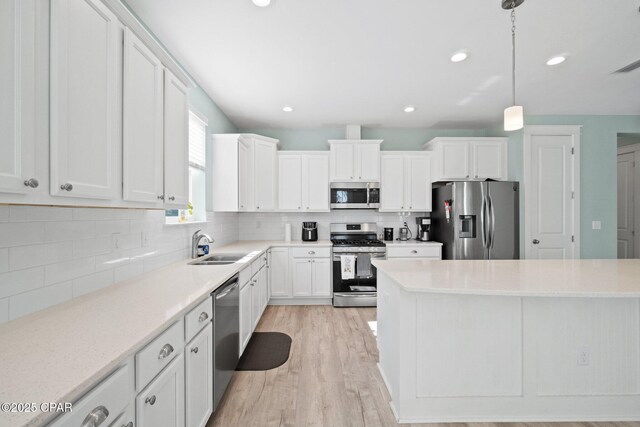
[(226, 336)]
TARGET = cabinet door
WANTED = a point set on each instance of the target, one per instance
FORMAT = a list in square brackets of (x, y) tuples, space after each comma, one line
[(321, 278), (418, 183), (301, 277), (176, 143), (264, 289), (368, 162), (83, 99), (142, 151), (392, 183), (246, 314), (316, 180), (17, 91), (161, 403), (290, 183), (245, 175), (489, 160), (256, 300), (455, 160), (199, 378), (264, 161), (342, 162), (279, 271)]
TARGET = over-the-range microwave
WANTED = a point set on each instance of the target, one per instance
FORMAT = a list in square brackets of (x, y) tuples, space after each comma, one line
[(355, 195)]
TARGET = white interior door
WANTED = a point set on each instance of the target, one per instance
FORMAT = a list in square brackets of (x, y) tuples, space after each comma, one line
[(551, 187), (626, 169)]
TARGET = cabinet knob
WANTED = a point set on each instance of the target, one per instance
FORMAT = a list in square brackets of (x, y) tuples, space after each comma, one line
[(129, 424), (350, 177), (150, 400), (414, 252), (161, 197), (32, 182), (313, 261), (410, 207), (172, 198), (535, 241), (359, 177), (194, 350), (166, 350), (96, 417), (242, 206), (203, 316), (257, 207), (66, 186), (307, 207), (299, 207), (312, 252), (467, 176)]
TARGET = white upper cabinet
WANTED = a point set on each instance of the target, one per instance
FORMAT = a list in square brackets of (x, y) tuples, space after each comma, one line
[(355, 160), (459, 159), (405, 182), (176, 142), (84, 99), (265, 175), (142, 123), (17, 92), (303, 182), (244, 173)]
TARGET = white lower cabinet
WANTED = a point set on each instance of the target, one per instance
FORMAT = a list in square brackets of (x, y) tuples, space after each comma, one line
[(254, 296), (311, 277), (199, 378), (246, 314), (279, 272), (161, 403), (127, 418)]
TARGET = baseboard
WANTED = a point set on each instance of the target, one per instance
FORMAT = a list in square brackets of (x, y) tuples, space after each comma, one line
[(300, 301)]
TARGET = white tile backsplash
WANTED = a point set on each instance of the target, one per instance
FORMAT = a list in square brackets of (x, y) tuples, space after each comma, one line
[(270, 226), (49, 255)]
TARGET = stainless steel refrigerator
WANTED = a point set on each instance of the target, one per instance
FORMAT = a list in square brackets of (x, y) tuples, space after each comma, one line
[(477, 220)]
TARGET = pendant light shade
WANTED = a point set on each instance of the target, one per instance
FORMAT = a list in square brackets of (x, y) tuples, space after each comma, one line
[(513, 118)]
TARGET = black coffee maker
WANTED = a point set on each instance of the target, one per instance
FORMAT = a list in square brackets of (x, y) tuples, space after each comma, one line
[(309, 231)]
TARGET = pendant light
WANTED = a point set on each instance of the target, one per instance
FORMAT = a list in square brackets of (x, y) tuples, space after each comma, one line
[(514, 115)]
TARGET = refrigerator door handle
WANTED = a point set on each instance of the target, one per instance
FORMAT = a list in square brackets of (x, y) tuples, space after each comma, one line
[(483, 222), (492, 220)]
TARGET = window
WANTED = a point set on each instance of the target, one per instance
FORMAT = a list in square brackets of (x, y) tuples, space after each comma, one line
[(196, 211)]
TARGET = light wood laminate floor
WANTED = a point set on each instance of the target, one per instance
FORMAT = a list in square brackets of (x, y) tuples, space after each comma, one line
[(330, 379)]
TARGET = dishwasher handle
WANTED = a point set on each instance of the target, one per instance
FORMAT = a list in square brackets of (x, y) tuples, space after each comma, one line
[(227, 291)]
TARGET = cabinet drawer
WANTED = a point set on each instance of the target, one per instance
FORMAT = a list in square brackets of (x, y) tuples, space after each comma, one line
[(311, 252), (197, 319), (414, 252), (155, 356), (126, 417), (109, 398), (258, 263)]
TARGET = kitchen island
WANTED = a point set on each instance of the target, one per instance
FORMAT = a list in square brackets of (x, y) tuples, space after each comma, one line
[(510, 340)]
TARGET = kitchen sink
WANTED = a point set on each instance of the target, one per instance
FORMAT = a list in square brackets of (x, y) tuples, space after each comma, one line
[(218, 259)]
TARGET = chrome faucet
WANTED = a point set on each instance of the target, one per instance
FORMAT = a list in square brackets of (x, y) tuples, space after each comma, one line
[(195, 241)]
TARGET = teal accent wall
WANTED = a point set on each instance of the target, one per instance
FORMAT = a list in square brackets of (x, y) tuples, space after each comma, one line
[(403, 139), (598, 179)]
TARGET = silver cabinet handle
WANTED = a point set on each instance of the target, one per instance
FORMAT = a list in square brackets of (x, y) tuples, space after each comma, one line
[(535, 241), (66, 187), (194, 350), (129, 424), (401, 207), (307, 207), (166, 350), (172, 198), (242, 206), (313, 260), (150, 400), (161, 197), (410, 207), (359, 177), (312, 252), (32, 182), (309, 260), (96, 417), (299, 207), (257, 207), (203, 316), (414, 251)]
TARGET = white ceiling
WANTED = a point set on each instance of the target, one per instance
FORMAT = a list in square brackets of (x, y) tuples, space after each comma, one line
[(362, 61)]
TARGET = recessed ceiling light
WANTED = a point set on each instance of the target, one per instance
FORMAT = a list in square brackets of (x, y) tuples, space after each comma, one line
[(556, 60), (459, 57), (409, 109), (287, 109), (262, 3)]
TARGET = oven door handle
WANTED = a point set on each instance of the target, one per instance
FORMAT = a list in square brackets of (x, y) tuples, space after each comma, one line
[(368, 194)]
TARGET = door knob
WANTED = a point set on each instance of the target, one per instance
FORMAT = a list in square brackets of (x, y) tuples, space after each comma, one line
[(535, 241)]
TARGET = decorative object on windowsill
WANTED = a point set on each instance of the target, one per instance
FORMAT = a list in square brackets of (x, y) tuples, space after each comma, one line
[(514, 115)]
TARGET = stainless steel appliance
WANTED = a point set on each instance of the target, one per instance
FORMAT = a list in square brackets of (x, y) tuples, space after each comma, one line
[(477, 220), (226, 336), (424, 228), (404, 233), (309, 231), (356, 244), (355, 195)]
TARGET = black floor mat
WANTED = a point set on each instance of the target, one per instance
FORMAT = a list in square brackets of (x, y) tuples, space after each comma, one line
[(265, 350)]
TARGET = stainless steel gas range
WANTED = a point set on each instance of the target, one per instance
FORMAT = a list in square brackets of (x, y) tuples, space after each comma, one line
[(354, 277)]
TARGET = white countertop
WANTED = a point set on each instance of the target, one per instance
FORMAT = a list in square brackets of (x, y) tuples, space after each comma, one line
[(56, 354), (412, 243), (539, 278)]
